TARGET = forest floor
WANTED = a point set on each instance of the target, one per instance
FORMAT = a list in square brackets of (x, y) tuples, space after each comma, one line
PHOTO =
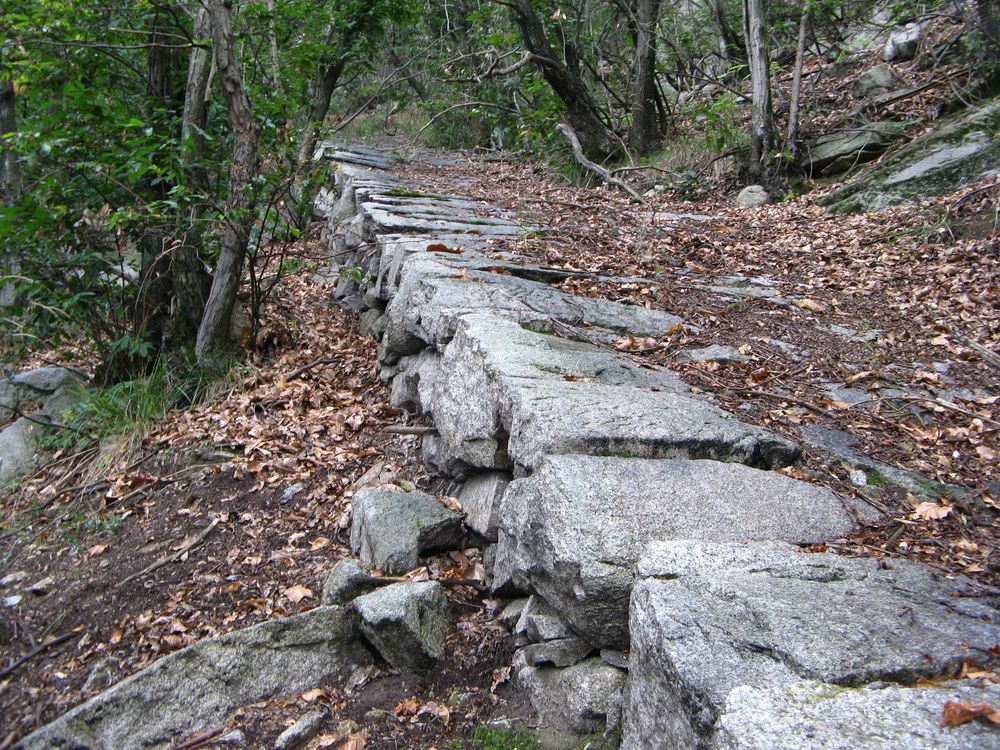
[(234, 512)]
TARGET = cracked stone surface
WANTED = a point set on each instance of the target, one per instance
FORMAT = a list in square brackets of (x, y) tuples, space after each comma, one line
[(707, 618), (505, 396), (406, 622), (198, 686), (573, 530)]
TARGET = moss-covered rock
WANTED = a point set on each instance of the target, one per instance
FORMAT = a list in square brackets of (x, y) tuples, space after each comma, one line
[(962, 150)]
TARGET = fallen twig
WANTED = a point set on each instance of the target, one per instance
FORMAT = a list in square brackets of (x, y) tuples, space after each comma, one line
[(166, 559), (387, 580), (305, 368), (200, 739), (988, 355), (403, 429), (597, 169), (39, 649)]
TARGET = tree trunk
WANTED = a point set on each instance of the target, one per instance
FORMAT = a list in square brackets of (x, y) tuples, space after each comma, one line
[(565, 82), (10, 169), (213, 334), (272, 39), (793, 104), (325, 86), (195, 114), (411, 80), (645, 125), (762, 118)]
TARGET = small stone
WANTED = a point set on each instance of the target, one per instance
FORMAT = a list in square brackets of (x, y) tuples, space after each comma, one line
[(511, 612), (563, 652), (540, 622), (406, 623), (875, 80), (299, 733), (753, 195), (859, 478), (42, 587), (291, 491), (615, 658), (480, 499), (102, 675), (579, 699), (903, 43), (342, 585), (715, 352), (12, 601), (235, 738), (11, 578)]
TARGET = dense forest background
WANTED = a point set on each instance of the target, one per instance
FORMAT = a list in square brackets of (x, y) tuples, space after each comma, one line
[(157, 155)]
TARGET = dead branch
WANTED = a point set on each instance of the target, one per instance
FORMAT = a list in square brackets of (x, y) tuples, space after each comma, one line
[(39, 649), (597, 169), (387, 580), (403, 429), (988, 355), (305, 368), (200, 739), (166, 559)]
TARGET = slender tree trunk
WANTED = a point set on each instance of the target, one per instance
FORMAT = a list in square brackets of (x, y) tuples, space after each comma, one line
[(213, 334), (329, 77), (645, 125), (190, 279), (762, 117), (10, 168), (793, 104), (411, 80), (565, 82), (272, 39)]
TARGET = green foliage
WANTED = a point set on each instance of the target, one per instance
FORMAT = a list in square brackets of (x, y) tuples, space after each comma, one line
[(721, 126), (490, 738)]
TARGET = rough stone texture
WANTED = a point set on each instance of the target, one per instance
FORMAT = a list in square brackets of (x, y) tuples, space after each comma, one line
[(540, 622), (579, 699), (902, 43), (436, 292), (406, 623), (838, 152), (959, 151), (573, 530), (198, 686), (299, 733), (390, 530), (505, 396), (342, 584), (715, 352), (563, 652), (414, 384), (480, 499), (753, 195), (707, 618), (875, 80), (816, 716), (17, 449)]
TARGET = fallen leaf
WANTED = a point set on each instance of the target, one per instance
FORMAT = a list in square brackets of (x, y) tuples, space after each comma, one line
[(311, 695), (355, 742), (955, 714), (297, 593), (500, 676), (99, 549), (809, 304), (986, 453), (319, 543), (931, 511), (407, 707)]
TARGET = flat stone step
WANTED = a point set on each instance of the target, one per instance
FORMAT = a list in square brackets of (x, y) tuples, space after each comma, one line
[(436, 292), (199, 686), (817, 716), (505, 397), (573, 531), (706, 619)]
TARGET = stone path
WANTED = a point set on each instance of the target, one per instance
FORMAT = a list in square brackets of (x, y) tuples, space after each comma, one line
[(638, 515)]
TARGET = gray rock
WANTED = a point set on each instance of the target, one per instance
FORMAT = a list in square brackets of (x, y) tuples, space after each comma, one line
[(480, 499), (578, 699), (707, 618), (299, 733), (343, 584), (102, 674), (406, 623), (17, 449), (817, 716), (715, 352), (753, 195), (47, 380), (372, 323), (413, 385), (42, 586), (902, 43), (199, 686), (540, 622), (499, 575), (833, 153), (435, 293), (505, 397), (390, 530), (12, 601), (563, 652), (12, 579), (512, 610), (617, 659), (573, 530), (875, 80), (957, 152)]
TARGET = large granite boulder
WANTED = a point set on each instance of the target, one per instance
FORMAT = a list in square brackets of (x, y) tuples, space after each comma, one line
[(573, 530), (903, 43), (708, 618), (199, 686), (838, 152), (958, 152), (390, 530), (505, 397), (818, 716), (17, 449), (877, 80), (578, 700)]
